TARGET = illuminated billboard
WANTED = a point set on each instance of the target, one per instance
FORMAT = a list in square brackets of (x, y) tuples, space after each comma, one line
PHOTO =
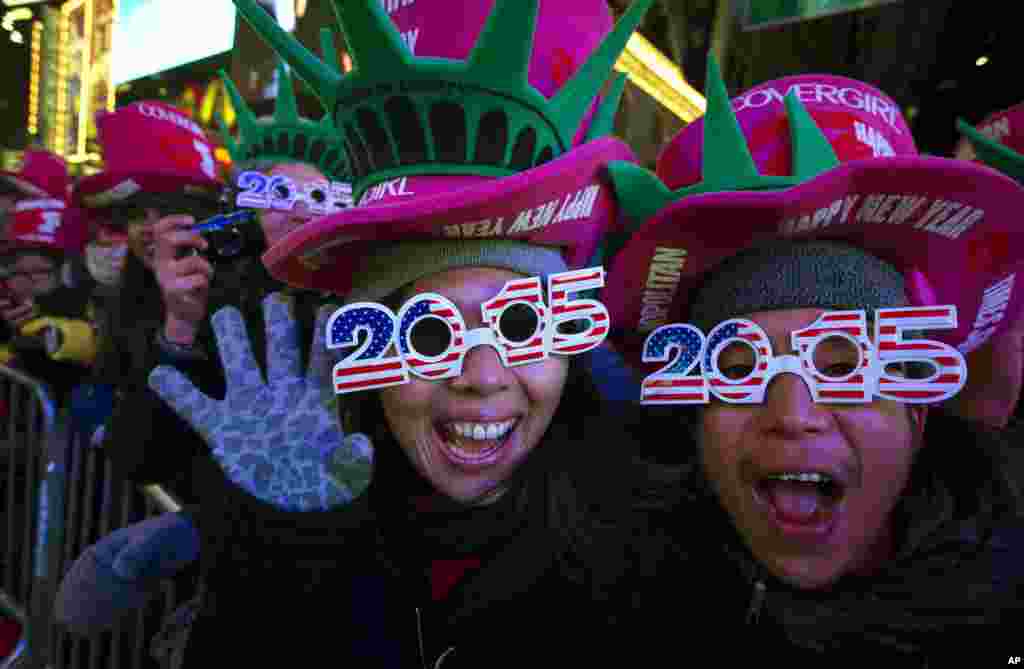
[(152, 36)]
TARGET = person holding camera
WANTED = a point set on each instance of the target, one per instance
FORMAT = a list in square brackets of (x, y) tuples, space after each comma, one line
[(196, 268), (192, 274), (157, 162)]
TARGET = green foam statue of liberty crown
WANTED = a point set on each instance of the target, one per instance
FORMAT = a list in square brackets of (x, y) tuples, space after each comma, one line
[(727, 163), (287, 137), (401, 115), (994, 153)]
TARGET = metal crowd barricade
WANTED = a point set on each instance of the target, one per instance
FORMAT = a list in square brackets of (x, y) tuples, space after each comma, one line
[(59, 495), (29, 433), (97, 503)]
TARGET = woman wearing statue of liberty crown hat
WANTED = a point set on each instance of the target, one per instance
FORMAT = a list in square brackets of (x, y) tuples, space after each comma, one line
[(464, 523), (878, 530)]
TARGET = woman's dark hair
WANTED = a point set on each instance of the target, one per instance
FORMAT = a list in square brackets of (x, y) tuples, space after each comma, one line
[(137, 312), (580, 480), (129, 323)]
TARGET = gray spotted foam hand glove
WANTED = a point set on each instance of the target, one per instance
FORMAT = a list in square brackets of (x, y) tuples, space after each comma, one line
[(279, 440)]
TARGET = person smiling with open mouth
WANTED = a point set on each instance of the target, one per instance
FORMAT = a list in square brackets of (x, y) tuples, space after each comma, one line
[(469, 434), (457, 506), (835, 511), (810, 485), (477, 164)]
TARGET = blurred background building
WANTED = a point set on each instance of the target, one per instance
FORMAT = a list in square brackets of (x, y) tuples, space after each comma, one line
[(62, 62)]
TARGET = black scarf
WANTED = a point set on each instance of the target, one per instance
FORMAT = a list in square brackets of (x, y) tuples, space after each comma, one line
[(418, 522), (951, 571)]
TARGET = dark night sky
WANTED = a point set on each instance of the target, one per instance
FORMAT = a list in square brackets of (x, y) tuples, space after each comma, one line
[(956, 85), (14, 74)]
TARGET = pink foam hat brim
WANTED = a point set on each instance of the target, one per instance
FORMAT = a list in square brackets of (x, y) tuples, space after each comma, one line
[(110, 187), (28, 188), (960, 251), (41, 175), (323, 254)]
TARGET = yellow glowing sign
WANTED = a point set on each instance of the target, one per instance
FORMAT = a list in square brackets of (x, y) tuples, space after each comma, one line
[(15, 15), (211, 102), (660, 78), (33, 84), (83, 76)]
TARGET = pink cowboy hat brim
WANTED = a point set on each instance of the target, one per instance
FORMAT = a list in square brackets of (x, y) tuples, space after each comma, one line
[(322, 255), (952, 225), (108, 188), (26, 187)]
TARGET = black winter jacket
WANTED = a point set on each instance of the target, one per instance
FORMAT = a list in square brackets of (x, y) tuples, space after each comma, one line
[(952, 596), (146, 441), (403, 579)]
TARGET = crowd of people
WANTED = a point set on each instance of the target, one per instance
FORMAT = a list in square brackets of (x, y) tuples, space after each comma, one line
[(384, 464)]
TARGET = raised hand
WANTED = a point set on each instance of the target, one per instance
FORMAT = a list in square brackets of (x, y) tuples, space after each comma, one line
[(280, 440), (116, 575), (17, 313), (184, 281), (157, 548)]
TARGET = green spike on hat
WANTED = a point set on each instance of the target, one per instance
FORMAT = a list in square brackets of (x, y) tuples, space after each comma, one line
[(603, 122), (728, 165), (383, 109), (287, 137), (995, 154)]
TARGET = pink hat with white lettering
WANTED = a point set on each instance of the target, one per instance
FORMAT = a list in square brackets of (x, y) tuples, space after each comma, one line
[(999, 141), (47, 224), (150, 148), (469, 120), (41, 175), (811, 157)]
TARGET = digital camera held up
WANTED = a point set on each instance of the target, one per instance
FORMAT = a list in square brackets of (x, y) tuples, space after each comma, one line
[(232, 236)]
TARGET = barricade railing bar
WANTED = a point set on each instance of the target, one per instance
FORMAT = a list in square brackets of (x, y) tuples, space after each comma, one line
[(98, 503), (29, 419), (60, 495)]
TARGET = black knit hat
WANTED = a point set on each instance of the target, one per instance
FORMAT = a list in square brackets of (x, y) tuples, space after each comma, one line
[(786, 274)]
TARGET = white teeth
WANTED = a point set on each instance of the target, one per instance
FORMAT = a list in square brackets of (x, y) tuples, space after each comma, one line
[(482, 431), (805, 477)]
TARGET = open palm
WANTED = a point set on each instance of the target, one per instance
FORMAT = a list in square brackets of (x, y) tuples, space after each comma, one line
[(278, 439)]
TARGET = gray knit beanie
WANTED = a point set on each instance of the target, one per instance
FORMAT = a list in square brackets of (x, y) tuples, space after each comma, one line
[(392, 265), (786, 274)]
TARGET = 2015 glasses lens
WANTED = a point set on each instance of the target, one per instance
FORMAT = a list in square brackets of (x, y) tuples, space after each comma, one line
[(519, 323), (430, 337)]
